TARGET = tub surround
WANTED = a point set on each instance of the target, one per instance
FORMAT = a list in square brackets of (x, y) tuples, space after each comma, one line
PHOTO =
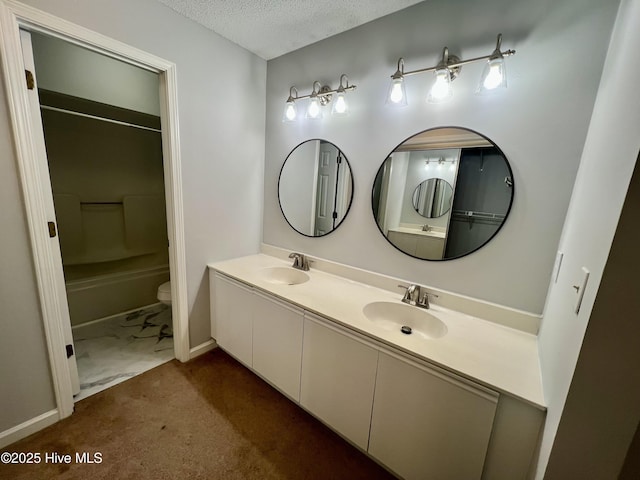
[(477, 346)]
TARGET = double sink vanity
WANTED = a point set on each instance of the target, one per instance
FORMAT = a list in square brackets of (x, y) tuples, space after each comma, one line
[(426, 392), (428, 383)]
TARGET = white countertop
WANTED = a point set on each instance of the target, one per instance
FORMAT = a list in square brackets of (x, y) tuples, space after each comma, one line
[(500, 357), (415, 231)]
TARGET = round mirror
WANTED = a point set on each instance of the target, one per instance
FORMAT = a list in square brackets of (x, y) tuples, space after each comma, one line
[(432, 197), (442, 193), (315, 188)]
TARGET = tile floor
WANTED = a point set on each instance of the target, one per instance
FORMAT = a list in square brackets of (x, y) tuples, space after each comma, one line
[(112, 350)]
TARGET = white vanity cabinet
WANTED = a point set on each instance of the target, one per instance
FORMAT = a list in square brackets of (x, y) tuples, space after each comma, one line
[(427, 424), (338, 379), (417, 244), (277, 343), (417, 419), (263, 333), (233, 313)]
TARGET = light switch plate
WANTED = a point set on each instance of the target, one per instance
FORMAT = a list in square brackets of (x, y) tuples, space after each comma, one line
[(580, 288)]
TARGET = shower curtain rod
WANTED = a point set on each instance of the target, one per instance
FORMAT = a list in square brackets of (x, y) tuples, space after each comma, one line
[(94, 117)]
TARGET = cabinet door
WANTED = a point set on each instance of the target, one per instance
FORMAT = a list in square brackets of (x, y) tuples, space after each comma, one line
[(430, 247), (233, 307), (406, 242), (277, 343), (426, 424), (338, 378)]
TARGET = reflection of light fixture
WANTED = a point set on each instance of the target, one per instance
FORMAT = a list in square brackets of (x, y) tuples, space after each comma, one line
[(439, 161), (494, 75), (318, 98)]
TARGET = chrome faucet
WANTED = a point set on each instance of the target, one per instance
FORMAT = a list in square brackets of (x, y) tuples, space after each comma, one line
[(299, 261), (416, 296)]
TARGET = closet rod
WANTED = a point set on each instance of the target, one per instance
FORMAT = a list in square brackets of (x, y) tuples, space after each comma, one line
[(94, 117)]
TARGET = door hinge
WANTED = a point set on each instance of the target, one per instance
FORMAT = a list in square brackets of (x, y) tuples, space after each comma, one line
[(31, 82), (69, 350), (334, 215), (339, 160), (52, 229)]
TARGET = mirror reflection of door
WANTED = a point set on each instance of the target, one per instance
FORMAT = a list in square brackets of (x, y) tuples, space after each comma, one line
[(328, 165), (315, 188)]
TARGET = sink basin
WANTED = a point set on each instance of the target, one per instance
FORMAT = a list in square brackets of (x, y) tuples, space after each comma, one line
[(284, 275), (409, 320)]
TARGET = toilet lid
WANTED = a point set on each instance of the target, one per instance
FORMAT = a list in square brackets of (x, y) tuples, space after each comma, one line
[(165, 288)]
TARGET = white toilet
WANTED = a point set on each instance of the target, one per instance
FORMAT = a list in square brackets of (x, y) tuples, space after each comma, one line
[(164, 293)]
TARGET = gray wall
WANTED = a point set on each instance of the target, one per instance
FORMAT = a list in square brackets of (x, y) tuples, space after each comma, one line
[(221, 92), (609, 157), (67, 68), (25, 379), (603, 404), (540, 123)]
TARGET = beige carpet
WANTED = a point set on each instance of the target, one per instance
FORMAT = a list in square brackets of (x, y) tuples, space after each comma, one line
[(207, 419)]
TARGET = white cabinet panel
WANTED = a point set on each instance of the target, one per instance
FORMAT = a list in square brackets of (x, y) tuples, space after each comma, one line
[(277, 343), (233, 310), (338, 379), (430, 247), (426, 425)]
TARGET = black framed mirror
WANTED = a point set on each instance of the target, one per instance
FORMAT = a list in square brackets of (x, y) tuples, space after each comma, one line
[(442, 193), (315, 188)]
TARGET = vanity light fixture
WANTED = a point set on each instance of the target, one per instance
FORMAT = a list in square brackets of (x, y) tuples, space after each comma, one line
[(440, 161), (320, 96), (447, 70)]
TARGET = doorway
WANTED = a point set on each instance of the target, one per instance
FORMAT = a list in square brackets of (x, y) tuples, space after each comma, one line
[(39, 205), (104, 153)]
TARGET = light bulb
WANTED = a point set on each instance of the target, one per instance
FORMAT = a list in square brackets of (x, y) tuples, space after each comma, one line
[(290, 112), (494, 75), (397, 94), (441, 89), (340, 106), (313, 111)]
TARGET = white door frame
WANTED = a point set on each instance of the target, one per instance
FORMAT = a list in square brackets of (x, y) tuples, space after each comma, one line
[(14, 15)]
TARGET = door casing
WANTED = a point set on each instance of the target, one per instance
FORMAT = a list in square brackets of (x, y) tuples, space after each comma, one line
[(13, 16)]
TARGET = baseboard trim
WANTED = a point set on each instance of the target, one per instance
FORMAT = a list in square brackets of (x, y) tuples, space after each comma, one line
[(202, 348), (27, 428)]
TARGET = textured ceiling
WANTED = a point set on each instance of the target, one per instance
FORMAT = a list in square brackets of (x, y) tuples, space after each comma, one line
[(270, 28)]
